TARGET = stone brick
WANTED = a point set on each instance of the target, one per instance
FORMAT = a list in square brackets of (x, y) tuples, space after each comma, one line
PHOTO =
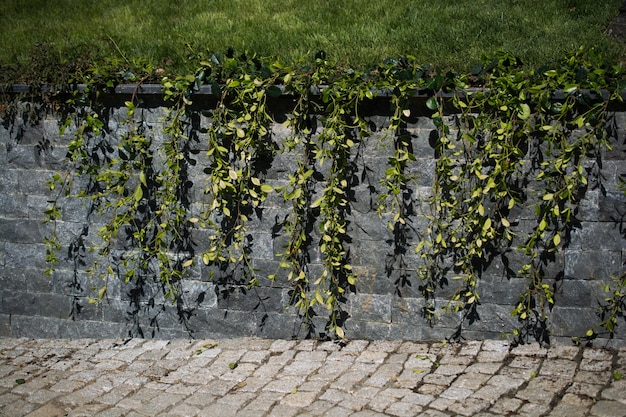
[(592, 264), (608, 408), (371, 307)]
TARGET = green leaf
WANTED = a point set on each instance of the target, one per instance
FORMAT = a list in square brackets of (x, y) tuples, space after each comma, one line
[(317, 202), (142, 179), (339, 332), (319, 298), (138, 194), (487, 224), (524, 111), (432, 104)]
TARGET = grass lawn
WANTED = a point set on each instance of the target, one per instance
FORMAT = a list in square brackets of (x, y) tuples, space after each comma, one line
[(357, 33)]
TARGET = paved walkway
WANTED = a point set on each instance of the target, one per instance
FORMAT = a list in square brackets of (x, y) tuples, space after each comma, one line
[(254, 377)]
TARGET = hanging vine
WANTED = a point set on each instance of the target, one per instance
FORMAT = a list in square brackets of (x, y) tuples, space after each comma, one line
[(513, 145), (505, 142)]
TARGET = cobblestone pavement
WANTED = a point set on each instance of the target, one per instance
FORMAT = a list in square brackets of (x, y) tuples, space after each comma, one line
[(256, 377)]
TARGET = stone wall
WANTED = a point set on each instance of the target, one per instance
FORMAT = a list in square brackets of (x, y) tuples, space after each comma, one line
[(385, 305)]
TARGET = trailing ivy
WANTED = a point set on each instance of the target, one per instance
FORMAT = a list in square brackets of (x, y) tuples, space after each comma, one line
[(505, 141), (514, 144)]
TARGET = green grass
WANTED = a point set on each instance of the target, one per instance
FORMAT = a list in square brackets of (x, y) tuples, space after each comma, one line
[(356, 33)]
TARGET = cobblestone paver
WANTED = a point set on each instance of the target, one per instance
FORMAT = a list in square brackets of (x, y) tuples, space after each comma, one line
[(283, 378)]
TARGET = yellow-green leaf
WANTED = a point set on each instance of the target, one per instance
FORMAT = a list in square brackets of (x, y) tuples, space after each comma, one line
[(142, 179), (339, 332), (317, 202), (524, 111), (319, 298), (511, 203), (138, 194)]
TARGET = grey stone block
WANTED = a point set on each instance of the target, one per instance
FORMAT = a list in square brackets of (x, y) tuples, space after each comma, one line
[(500, 290), (22, 231), (411, 331), (10, 180), (53, 305), (612, 209), (253, 299), (279, 326), (590, 207), (494, 318), (374, 280), (592, 264), (578, 293), (14, 206), (35, 304), (5, 325), (262, 246), (371, 307), (226, 323), (31, 134), (37, 327), (572, 321), (17, 279), (407, 311), (33, 183), (74, 329)]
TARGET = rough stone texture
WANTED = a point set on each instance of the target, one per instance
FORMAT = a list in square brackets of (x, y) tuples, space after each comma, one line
[(387, 304)]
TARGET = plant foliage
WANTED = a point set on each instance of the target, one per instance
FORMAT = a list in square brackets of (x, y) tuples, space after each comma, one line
[(515, 137)]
